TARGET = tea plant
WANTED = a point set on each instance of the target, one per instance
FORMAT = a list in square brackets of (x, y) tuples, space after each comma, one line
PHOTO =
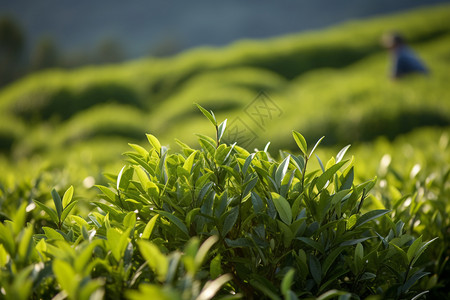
[(220, 222)]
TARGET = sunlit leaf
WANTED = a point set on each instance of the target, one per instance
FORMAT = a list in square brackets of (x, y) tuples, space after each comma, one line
[(67, 197), (156, 260), (301, 142), (207, 114), (283, 208), (154, 142), (149, 227)]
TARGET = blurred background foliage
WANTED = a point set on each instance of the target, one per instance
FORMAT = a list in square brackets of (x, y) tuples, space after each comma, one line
[(332, 82)]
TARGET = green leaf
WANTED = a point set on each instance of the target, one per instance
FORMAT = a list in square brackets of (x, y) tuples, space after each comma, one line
[(323, 179), (139, 149), (154, 142), (118, 241), (329, 260), (315, 245), (212, 287), (230, 220), (359, 251), (315, 146), (3, 255), (67, 197), (110, 195), (52, 234), (129, 221), (281, 170), (207, 146), (249, 185), (215, 267), (421, 250), (412, 280), (355, 241), (26, 243), (301, 142), (149, 227), (175, 220), (413, 248), (287, 281), (84, 256), (358, 258), (189, 161), (92, 290), (320, 164), (258, 205), (332, 294), (207, 114), (156, 260), (153, 291), (418, 296), (66, 277), (52, 214), (19, 218), (221, 130), (286, 232), (124, 177), (264, 286), (247, 162), (341, 153), (283, 208), (58, 203), (119, 177), (203, 250), (67, 210), (315, 269), (367, 217)]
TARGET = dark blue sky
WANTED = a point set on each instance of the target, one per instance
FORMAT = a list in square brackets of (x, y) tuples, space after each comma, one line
[(142, 25)]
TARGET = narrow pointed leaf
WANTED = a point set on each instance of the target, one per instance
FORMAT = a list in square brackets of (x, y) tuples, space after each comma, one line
[(230, 220), (341, 153), (323, 179), (207, 114), (315, 146), (287, 281), (315, 269), (175, 220), (421, 250), (154, 142), (149, 227), (221, 130), (67, 210), (281, 170), (367, 217), (413, 248), (48, 210), (301, 142), (66, 277), (67, 197), (58, 203), (283, 208), (156, 260)]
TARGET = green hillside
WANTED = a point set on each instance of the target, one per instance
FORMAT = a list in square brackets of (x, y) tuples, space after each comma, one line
[(332, 82)]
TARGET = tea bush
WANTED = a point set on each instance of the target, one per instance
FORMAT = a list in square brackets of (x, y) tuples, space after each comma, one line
[(216, 221)]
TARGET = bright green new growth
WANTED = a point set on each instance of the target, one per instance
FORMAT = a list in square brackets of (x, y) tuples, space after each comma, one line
[(216, 221)]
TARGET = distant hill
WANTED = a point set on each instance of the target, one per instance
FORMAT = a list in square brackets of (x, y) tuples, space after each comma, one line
[(158, 26)]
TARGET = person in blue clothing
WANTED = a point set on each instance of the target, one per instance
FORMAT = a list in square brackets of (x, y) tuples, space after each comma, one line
[(404, 60)]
